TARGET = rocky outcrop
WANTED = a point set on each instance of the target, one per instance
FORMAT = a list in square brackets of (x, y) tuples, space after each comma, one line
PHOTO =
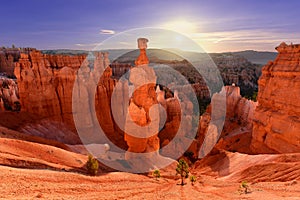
[(60, 61), (179, 128), (144, 137), (7, 58), (119, 69), (238, 70), (6, 64), (238, 119), (46, 85), (43, 89), (232, 68), (9, 96), (276, 121), (238, 109)]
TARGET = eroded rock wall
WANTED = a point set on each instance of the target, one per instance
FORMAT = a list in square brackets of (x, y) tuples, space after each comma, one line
[(7, 58), (46, 85), (277, 117), (43, 89), (9, 96), (237, 120)]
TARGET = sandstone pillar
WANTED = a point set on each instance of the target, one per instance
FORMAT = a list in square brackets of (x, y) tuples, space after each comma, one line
[(142, 121)]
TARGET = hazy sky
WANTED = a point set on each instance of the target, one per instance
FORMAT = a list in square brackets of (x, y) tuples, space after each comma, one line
[(217, 25)]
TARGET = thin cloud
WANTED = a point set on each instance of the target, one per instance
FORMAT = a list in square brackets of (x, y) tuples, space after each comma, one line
[(87, 45), (125, 43), (256, 39), (108, 32)]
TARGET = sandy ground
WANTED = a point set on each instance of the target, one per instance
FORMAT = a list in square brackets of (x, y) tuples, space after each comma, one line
[(46, 184), (33, 170)]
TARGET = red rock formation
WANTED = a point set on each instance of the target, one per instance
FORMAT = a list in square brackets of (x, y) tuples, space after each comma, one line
[(277, 122), (6, 64), (119, 69), (172, 124), (237, 69), (142, 59), (178, 131), (7, 58), (238, 120), (178, 124), (239, 109), (46, 84), (105, 88), (60, 61), (44, 90), (9, 97), (143, 98)]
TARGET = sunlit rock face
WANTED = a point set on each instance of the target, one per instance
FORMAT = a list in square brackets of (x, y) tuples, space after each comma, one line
[(238, 119), (277, 117), (140, 120), (238, 108), (46, 87), (45, 84)]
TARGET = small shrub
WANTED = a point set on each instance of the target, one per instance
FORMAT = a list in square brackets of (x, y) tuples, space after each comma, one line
[(183, 170), (193, 179), (244, 187), (156, 174), (92, 165)]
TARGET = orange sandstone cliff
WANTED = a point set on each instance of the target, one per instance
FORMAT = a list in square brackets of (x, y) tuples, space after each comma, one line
[(9, 95), (144, 97), (237, 129), (46, 83), (277, 117)]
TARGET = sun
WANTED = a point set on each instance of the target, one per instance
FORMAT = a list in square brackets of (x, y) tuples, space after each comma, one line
[(181, 26)]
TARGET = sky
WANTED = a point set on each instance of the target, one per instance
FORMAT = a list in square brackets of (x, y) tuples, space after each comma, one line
[(215, 25)]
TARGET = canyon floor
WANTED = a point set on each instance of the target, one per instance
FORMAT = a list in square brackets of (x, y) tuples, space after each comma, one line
[(32, 168), (46, 184)]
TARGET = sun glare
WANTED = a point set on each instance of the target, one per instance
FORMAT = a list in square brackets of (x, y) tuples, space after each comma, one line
[(181, 26)]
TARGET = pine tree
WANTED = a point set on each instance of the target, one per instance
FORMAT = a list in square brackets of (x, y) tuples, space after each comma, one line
[(183, 170)]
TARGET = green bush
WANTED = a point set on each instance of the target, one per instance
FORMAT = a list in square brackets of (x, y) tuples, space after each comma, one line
[(92, 165), (245, 187), (183, 170), (193, 179), (156, 174)]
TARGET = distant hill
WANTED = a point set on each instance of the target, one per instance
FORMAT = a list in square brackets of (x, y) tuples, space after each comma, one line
[(233, 68), (64, 51), (242, 68), (113, 53), (257, 57)]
